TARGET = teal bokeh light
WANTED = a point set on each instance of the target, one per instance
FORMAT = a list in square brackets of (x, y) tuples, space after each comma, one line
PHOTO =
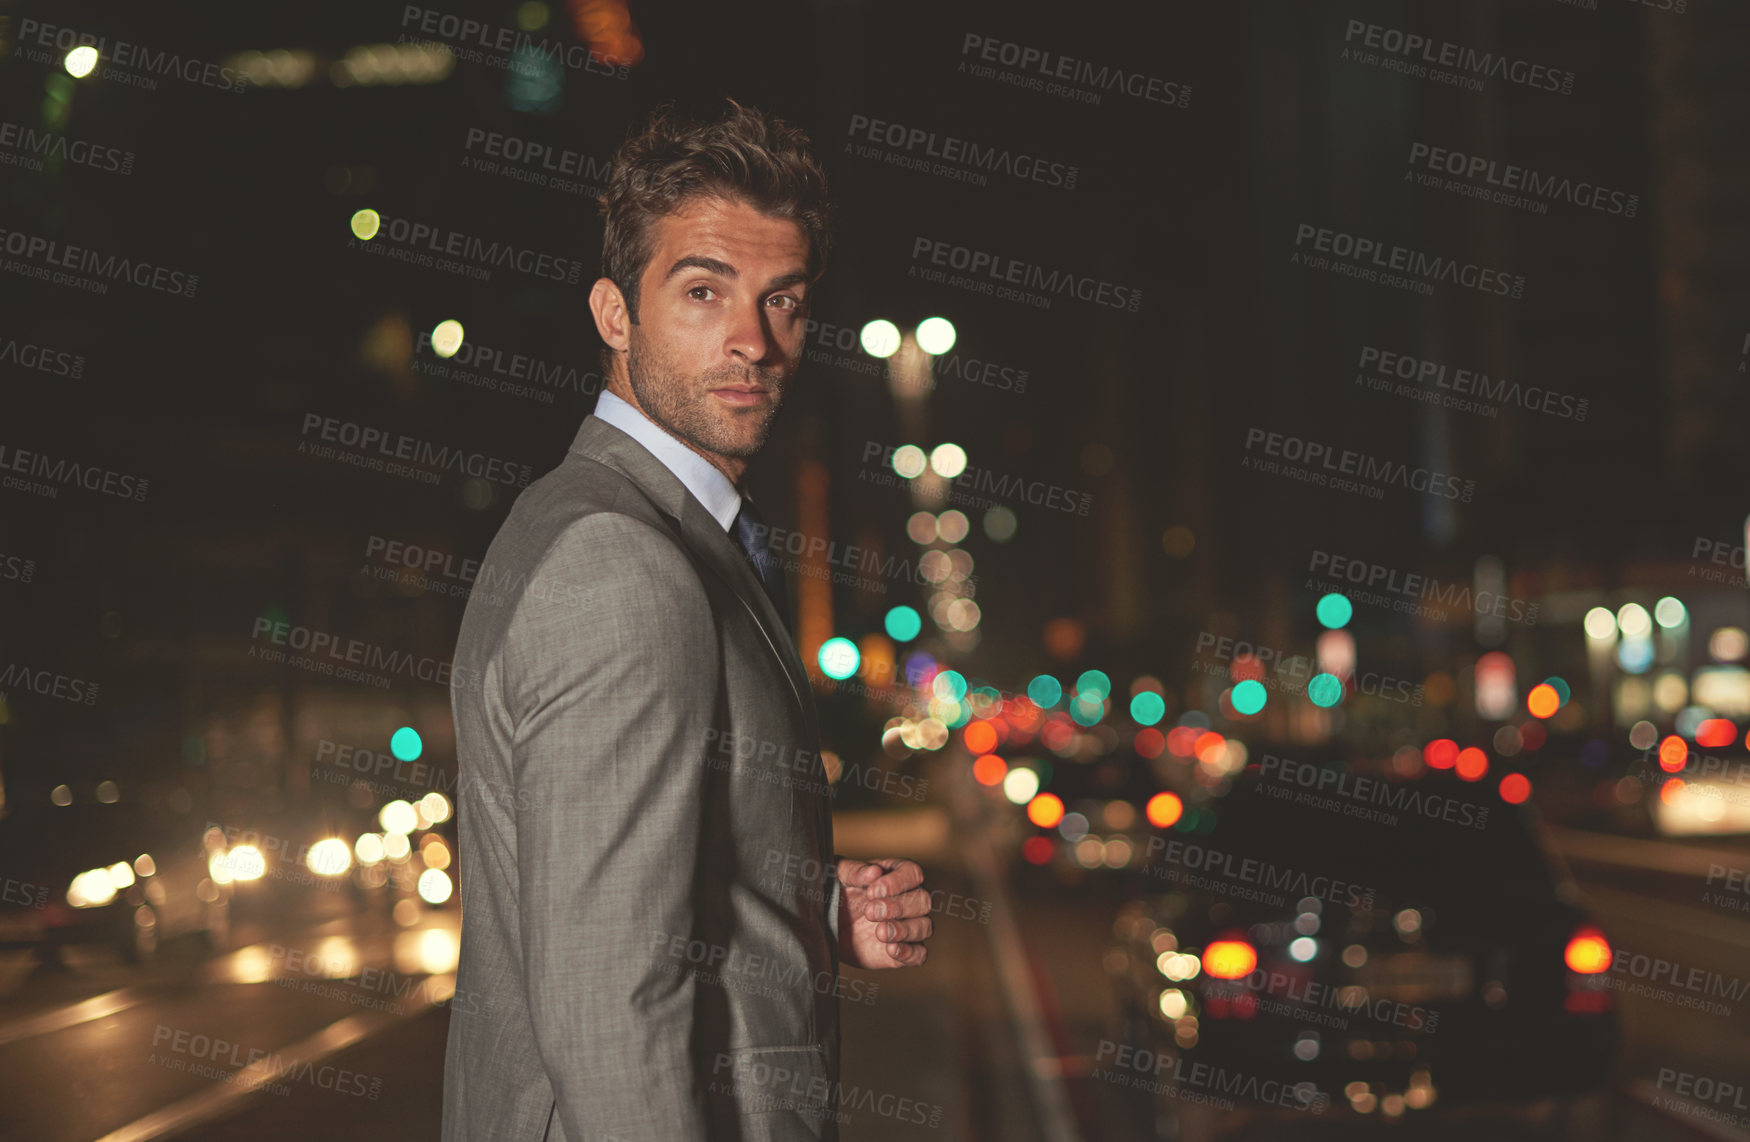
[(1335, 611), (1248, 697), (1324, 690), (903, 624), (1094, 681), (1147, 708), (405, 744), (1044, 691), (839, 658)]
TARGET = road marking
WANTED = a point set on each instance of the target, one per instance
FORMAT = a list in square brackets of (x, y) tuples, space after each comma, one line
[(222, 1099), (97, 1007), (1056, 1121)]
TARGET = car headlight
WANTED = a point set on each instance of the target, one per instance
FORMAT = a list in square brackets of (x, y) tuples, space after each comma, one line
[(92, 888)]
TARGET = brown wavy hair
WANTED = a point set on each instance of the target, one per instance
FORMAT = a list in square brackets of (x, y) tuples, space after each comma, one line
[(745, 156)]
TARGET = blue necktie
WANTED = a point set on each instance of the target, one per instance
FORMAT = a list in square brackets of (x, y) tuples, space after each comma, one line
[(755, 539)]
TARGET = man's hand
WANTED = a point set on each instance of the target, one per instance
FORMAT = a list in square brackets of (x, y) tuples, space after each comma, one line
[(884, 914)]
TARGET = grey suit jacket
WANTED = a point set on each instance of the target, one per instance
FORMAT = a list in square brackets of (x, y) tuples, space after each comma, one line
[(649, 941)]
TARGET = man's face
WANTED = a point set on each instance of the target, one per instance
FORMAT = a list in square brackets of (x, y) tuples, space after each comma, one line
[(721, 307)]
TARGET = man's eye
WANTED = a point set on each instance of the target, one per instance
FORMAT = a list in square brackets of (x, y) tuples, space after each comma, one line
[(782, 301), (696, 290)]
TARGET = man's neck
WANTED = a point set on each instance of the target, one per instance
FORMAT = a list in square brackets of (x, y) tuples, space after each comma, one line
[(732, 467)]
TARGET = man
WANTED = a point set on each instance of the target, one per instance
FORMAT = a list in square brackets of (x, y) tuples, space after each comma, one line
[(653, 921)]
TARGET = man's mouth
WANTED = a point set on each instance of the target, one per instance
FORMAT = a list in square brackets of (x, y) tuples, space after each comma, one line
[(742, 395)]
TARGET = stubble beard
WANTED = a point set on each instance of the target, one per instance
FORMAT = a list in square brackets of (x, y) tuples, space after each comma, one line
[(684, 407)]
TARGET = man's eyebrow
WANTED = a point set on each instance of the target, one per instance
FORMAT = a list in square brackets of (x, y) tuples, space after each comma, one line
[(725, 270)]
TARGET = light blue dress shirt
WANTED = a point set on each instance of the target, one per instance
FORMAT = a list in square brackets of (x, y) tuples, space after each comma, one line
[(709, 486)]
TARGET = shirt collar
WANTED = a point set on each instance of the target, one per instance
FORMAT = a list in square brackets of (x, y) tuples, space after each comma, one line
[(708, 485)]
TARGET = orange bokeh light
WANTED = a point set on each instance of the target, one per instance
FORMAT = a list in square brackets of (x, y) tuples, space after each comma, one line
[(1045, 810), (1515, 788), (990, 770), (1210, 746), (1229, 959), (1472, 764), (1440, 753), (1673, 752), (1543, 701), (1715, 733), (980, 737), (1163, 809), (1588, 952)]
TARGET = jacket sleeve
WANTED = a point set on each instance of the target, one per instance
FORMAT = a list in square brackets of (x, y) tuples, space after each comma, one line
[(611, 672)]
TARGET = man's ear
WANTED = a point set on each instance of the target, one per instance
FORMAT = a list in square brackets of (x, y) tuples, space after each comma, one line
[(608, 306)]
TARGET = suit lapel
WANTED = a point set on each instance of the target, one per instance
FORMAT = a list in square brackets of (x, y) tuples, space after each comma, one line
[(600, 441)]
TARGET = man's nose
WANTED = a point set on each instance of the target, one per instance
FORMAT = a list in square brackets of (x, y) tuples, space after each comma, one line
[(749, 337)]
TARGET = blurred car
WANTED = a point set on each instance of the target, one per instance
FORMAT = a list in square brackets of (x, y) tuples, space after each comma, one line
[(108, 869), (1375, 945)]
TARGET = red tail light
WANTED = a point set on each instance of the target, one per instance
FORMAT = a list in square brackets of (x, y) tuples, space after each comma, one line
[(1588, 952)]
